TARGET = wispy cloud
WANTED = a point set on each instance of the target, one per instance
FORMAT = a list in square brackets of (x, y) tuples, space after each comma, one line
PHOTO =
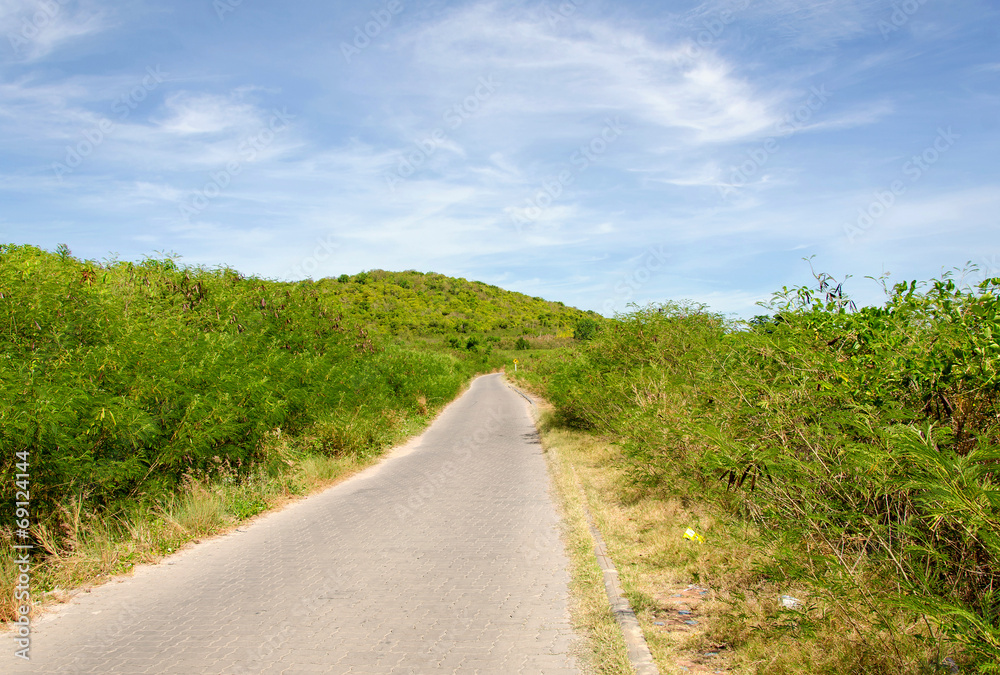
[(36, 28), (188, 113), (820, 24), (594, 67)]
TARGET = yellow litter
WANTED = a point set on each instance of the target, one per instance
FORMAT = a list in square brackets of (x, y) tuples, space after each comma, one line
[(694, 536)]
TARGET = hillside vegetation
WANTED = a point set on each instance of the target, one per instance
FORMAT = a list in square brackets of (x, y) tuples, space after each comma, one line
[(859, 448), (124, 385), (416, 304)]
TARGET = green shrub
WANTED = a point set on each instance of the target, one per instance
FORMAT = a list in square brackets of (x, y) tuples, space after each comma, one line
[(585, 329), (871, 435)]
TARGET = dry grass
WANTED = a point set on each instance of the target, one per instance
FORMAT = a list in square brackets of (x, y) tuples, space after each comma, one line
[(590, 612), (644, 538), (722, 584)]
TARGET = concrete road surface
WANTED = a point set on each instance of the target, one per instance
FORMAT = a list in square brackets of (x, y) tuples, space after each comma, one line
[(445, 557)]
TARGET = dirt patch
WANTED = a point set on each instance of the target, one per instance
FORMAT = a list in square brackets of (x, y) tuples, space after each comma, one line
[(680, 615)]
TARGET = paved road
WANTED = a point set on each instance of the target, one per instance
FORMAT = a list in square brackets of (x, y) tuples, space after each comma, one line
[(444, 558)]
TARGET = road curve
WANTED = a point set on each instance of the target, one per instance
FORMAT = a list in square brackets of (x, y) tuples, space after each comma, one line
[(444, 558)]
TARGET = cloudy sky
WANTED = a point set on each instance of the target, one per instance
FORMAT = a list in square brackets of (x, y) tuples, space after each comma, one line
[(588, 151)]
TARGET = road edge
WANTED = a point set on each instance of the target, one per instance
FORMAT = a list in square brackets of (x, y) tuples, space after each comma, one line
[(639, 655)]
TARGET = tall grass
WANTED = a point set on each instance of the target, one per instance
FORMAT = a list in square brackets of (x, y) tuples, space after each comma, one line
[(866, 440)]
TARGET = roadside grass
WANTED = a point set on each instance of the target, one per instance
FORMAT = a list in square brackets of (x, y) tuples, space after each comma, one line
[(605, 652), (638, 537), (731, 585)]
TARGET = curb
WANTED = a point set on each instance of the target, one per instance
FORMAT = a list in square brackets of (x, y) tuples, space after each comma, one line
[(527, 398), (635, 642)]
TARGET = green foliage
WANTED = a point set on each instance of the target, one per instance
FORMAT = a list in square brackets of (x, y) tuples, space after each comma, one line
[(585, 329), (120, 379), (412, 303), (152, 402), (522, 344), (869, 436)]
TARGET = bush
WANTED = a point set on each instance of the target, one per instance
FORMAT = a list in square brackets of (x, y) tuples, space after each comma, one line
[(586, 329), (871, 435)]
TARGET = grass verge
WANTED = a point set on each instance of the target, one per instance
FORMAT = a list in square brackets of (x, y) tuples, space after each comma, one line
[(705, 607), (589, 608)]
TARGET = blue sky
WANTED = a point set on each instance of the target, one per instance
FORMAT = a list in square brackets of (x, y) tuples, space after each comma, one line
[(597, 153)]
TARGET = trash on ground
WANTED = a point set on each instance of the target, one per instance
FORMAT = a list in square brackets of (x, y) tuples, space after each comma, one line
[(951, 665), (790, 602), (693, 536)]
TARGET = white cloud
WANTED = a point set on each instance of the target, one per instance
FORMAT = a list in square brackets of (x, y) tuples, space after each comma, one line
[(934, 216), (549, 71), (868, 113), (188, 113), (36, 28), (42, 109)]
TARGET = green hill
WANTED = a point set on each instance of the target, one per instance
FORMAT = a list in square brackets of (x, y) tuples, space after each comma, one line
[(414, 303)]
